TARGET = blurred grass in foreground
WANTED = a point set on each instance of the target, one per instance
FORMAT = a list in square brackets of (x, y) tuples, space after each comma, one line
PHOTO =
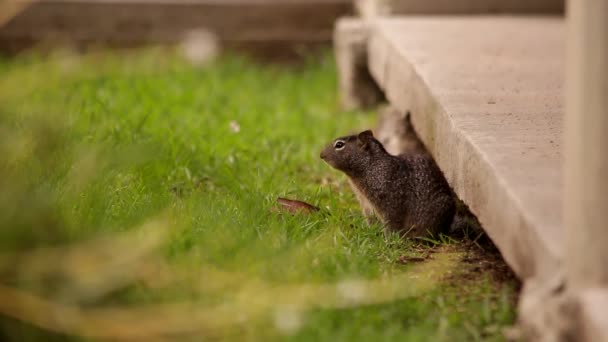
[(135, 204)]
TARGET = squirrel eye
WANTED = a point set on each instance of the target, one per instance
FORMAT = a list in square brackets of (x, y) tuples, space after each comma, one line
[(338, 145)]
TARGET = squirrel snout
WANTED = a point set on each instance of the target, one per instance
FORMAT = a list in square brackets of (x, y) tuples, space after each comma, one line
[(323, 155)]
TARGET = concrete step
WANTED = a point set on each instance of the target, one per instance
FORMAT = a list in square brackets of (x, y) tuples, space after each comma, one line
[(489, 108), (133, 22), (372, 8)]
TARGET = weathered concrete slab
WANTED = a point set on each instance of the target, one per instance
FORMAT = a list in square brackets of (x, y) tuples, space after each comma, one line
[(372, 8), (356, 87), (250, 23), (592, 318), (562, 314), (489, 108)]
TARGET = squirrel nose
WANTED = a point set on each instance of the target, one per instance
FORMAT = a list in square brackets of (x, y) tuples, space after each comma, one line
[(322, 155)]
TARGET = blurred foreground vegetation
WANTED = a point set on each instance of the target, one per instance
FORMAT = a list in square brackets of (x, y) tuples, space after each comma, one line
[(136, 203)]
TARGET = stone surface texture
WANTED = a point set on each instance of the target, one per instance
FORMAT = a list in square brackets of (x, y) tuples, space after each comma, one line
[(592, 322), (371, 8), (563, 314), (485, 95)]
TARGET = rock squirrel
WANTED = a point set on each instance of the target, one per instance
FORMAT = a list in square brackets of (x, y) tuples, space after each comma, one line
[(408, 193), (398, 136)]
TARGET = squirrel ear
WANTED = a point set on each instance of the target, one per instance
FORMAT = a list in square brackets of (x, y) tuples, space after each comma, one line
[(364, 138)]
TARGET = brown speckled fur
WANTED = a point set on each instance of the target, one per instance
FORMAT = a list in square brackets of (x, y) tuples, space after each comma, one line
[(409, 193)]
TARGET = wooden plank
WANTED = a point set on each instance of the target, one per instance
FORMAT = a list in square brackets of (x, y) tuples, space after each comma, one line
[(132, 22), (11, 8)]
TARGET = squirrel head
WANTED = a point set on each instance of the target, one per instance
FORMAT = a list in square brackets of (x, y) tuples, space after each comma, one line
[(354, 153)]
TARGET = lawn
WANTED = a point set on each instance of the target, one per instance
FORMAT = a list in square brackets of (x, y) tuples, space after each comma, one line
[(139, 202)]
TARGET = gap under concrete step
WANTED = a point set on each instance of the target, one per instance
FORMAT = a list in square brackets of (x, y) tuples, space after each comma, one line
[(485, 95)]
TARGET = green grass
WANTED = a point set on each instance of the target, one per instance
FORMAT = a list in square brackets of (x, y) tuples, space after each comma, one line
[(128, 187)]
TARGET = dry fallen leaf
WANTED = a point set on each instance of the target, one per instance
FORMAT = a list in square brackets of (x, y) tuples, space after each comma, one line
[(294, 206)]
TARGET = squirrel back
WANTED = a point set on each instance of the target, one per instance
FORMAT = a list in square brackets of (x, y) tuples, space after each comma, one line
[(409, 193)]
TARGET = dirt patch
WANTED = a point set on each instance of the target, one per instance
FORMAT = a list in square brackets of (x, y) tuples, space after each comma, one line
[(486, 261), (478, 261)]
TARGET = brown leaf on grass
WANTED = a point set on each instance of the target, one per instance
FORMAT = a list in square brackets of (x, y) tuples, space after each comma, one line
[(294, 206)]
